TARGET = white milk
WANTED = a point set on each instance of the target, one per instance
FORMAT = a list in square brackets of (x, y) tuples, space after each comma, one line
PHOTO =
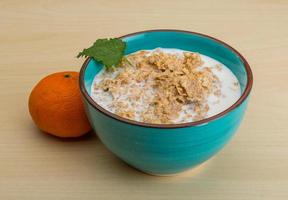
[(230, 90)]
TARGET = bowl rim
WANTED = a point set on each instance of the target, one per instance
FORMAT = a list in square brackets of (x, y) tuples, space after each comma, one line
[(242, 98)]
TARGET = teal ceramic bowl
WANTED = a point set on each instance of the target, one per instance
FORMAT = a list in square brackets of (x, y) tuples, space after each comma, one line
[(169, 149)]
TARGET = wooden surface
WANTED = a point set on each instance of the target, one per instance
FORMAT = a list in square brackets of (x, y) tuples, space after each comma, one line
[(41, 37)]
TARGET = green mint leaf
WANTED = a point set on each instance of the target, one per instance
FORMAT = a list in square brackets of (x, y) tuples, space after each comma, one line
[(107, 51)]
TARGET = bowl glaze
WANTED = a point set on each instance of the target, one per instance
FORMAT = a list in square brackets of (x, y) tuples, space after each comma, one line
[(169, 149)]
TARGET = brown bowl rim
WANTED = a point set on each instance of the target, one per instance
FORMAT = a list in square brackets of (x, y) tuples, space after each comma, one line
[(180, 125)]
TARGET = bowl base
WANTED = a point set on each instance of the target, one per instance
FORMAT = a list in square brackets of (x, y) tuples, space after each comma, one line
[(194, 170)]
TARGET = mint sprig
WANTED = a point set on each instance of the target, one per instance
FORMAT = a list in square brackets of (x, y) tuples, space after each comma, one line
[(107, 51)]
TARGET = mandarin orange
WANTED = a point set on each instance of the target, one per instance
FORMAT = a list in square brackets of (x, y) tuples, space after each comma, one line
[(56, 106)]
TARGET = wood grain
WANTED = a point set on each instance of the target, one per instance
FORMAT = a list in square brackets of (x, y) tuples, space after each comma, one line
[(41, 37)]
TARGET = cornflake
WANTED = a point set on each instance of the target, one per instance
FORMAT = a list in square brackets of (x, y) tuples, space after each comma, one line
[(163, 83)]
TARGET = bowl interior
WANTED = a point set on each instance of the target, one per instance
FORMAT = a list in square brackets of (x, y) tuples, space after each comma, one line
[(180, 40)]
